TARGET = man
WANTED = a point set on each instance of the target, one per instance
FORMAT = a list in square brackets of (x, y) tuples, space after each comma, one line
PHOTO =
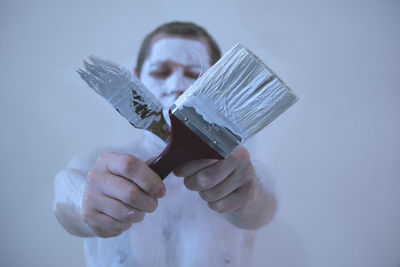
[(134, 217)]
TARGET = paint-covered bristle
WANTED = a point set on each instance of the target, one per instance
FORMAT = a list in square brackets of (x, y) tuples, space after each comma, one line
[(239, 93), (127, 94), (112, 81)]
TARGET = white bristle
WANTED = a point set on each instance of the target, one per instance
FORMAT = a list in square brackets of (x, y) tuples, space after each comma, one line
[(240, 93), (127, 94)]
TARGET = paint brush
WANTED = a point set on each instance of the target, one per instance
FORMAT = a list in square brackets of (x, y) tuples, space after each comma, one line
[(129, 96), (236, 98)]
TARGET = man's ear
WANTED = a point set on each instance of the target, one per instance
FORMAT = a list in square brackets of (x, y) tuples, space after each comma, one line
[(135, 72)]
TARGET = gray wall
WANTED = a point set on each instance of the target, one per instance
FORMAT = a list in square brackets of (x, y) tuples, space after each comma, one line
[(334, 156)]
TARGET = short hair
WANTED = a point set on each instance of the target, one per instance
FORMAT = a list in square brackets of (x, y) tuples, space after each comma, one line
[(183, 29)]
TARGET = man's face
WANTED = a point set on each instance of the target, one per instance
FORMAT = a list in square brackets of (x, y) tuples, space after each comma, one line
[(173, 64)]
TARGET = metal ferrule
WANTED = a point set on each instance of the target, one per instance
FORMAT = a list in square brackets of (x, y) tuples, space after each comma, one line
[(221, 139)]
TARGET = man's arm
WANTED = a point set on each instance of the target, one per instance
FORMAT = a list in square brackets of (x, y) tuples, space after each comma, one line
[(117, 191), (69, 186)]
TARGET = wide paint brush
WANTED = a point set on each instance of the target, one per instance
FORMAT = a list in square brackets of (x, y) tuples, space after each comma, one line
[(129, 96), (236, 98)]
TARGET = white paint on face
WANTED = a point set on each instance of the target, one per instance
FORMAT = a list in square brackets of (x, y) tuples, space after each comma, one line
[(172, 66)]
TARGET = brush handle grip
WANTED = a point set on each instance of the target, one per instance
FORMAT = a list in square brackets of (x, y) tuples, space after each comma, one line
[(183, 146)]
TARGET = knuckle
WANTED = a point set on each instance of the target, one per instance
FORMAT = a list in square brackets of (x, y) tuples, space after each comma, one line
[(250, 192), (132, 195), (187, 183), (117, 227), (137, 216), (128, 164), (217, 206), (205, 195), (153, 205), (102, 157), (248, 174), (87, 216), (252, 189), (100, 232), (121, 227), (203, 182), (126, 226), (113, 226), (241, 154), (151, 188), (92, 177), (124, 213), (105, 234), (86, 200), (179, 172)]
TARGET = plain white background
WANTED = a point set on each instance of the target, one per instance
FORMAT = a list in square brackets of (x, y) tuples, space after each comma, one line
[(334, 156)]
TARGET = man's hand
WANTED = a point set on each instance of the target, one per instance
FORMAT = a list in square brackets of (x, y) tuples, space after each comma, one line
[(227, 185), (231, 186), (119, 191)]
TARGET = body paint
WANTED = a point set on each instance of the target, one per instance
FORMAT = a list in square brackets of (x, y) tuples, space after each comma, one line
[(177, 58)]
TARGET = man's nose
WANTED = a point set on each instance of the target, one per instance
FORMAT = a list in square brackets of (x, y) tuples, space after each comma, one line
[(176, 83)]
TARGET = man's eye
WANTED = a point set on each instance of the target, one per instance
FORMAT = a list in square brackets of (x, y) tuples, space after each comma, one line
[(192, 74), (160, 74)]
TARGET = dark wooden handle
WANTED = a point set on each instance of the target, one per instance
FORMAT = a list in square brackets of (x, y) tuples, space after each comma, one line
[(183, 146)]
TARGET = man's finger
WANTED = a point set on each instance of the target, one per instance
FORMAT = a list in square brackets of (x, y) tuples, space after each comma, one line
[(129, 193), (134, 169), (105, 222), (118, 210), (224, 188), (210, 176), (234, 201), (193, 166)]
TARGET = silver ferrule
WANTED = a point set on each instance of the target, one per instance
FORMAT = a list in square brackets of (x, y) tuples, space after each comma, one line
[(221, 139)]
